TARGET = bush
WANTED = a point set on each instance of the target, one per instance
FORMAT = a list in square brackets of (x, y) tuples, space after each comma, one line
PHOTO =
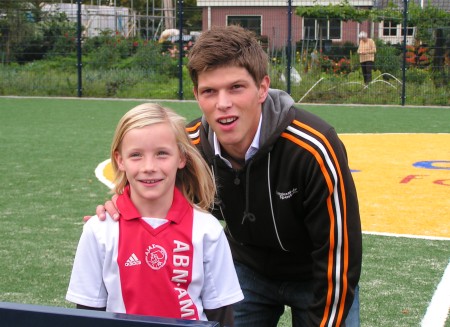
[(416, 75), (104, 57), (149, 58), (388, 59)]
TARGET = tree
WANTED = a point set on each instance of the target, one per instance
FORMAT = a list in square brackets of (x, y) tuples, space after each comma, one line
[(342, 11), (15, 24), (426, 20), (429, 22)]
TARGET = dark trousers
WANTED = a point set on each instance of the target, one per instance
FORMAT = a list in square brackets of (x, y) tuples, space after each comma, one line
[(265, 301), (367, 67)]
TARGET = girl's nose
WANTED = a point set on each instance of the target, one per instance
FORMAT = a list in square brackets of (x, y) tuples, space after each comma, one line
[(149, 165)]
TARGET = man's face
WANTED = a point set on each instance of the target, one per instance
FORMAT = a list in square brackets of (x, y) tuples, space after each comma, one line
[(231, 103)]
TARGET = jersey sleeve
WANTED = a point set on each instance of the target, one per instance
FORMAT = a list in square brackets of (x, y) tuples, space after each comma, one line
[(221, 285), (86, 285)]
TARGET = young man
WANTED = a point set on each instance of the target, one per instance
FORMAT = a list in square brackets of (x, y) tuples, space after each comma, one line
[(285, 189)]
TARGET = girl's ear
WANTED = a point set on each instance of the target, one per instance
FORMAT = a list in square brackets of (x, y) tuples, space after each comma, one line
[(183, 160), (119, 160)]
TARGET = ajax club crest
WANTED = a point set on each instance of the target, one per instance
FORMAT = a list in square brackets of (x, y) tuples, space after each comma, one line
[(155, 256)]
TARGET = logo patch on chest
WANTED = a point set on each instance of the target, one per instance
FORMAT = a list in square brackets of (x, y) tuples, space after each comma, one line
[(132, 261), (287, 195), (156, 256)]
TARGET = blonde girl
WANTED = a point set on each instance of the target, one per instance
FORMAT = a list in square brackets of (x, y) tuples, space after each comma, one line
[(167, 255)]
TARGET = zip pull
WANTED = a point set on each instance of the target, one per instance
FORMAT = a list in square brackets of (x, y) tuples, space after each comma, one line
[(248, 215), (237, 179)]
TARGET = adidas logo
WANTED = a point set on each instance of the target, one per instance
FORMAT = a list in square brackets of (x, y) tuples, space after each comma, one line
[(132, 261)]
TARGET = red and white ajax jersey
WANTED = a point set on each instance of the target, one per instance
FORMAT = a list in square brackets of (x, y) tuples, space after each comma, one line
[(174, 270)]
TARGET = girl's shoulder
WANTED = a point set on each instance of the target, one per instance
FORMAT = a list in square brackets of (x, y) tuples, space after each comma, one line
[(95, 225), (207, 219)]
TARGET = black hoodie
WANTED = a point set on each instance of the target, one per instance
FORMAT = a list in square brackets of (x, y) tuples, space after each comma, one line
[(292, 212)]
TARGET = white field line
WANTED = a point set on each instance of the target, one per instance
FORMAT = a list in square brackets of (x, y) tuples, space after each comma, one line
[(439, 307), (100, 176), (423, 237)]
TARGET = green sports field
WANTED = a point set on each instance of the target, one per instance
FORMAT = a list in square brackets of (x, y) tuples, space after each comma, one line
[(50, 149)]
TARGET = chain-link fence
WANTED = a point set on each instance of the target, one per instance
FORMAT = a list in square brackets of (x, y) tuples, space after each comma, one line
[(134, 49)]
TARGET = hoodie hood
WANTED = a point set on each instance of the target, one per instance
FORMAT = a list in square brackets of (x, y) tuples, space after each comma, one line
[(277, 115)]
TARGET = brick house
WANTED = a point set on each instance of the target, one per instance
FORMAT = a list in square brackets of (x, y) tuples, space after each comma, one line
[(268, 18)]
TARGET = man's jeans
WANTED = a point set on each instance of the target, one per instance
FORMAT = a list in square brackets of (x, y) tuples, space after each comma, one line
[(265, 301)]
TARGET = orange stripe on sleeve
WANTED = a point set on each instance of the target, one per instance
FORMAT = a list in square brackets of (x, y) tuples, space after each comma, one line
[(327, 177), (193, 128), (344, 216)]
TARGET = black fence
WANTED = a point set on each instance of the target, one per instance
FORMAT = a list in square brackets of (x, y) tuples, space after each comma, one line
[(98, 49), (26, 315)]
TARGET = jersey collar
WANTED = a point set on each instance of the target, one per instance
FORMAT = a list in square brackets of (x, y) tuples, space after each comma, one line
[(180, 206)]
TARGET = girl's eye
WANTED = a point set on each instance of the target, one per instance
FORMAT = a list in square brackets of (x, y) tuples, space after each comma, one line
[(135, 155), (162, 153)]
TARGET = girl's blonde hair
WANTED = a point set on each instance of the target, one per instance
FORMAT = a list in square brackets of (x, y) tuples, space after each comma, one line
[(195, 180)]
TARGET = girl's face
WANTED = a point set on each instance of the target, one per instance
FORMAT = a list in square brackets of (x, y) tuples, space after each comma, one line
[(150, 158)]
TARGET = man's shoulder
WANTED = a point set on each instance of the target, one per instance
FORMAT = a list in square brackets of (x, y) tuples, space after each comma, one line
[(193, 130), (308, 118), (194, 124)]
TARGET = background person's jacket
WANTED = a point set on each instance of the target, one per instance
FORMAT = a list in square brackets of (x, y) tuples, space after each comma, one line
[(367, 50), (292, 212)]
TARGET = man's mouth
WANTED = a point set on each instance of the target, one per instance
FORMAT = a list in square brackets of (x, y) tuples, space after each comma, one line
[(227, 121)]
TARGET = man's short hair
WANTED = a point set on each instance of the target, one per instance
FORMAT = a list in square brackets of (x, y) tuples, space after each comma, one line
[(363, 35), (224, 46)]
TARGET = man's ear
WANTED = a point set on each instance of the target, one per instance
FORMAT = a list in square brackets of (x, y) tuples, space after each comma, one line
[(195, 93), (264, 88)]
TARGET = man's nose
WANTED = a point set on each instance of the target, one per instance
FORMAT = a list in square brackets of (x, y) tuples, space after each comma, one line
[(223, 101)]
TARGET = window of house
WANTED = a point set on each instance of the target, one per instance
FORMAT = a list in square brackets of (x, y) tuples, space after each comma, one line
[(409, 31), (334, 29), (252, 23), (314, 29), (309, 29), (389, 28), (392, 29)]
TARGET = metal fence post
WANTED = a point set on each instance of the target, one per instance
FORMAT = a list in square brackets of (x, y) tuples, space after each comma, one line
[(79, 59), (180, 45), (405, 30), (289, 47)]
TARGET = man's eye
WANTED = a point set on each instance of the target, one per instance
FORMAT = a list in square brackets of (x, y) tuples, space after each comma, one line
[(207, 91)]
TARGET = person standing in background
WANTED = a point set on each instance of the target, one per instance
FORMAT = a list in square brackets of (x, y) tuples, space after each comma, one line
[(366, 51)]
